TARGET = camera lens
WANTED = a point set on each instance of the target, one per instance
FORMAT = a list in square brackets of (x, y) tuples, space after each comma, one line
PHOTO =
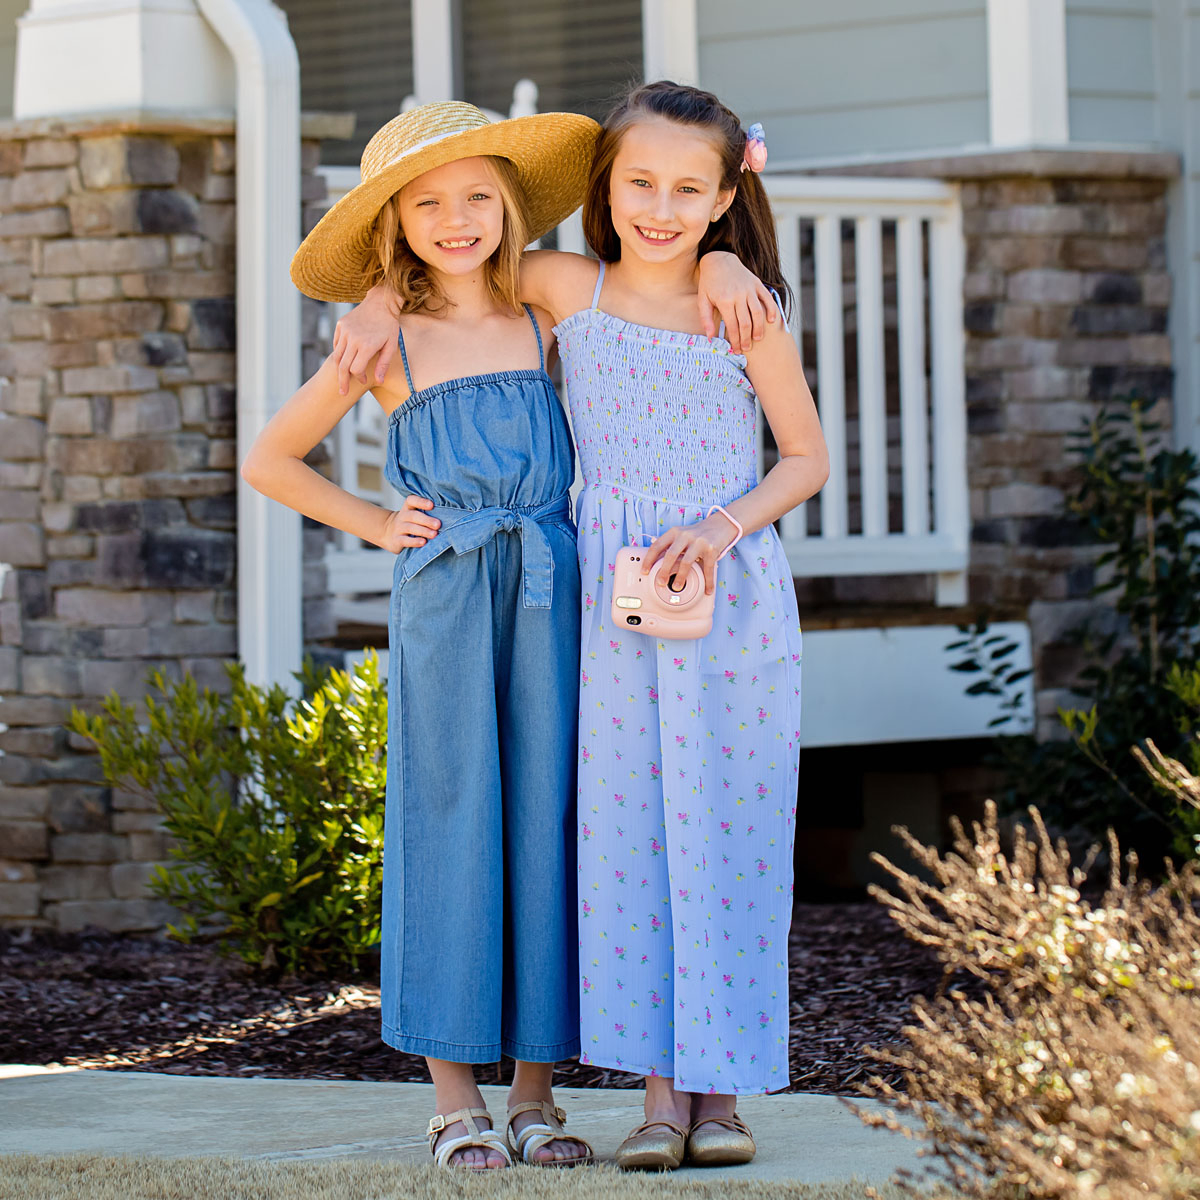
[(633, 620)]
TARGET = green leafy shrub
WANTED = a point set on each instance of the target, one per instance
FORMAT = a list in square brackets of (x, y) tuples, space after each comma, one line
[(1141, 504), (275, 804)]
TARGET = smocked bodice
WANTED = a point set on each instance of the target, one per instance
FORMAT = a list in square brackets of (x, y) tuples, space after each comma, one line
[(666, 414)]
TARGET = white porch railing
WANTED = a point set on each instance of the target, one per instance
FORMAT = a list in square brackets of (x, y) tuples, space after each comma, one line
[(873, 263), (879, 261)]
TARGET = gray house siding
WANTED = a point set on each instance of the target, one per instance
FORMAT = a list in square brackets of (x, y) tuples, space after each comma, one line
[(1178, 58), (1112, 93), (862, 77)]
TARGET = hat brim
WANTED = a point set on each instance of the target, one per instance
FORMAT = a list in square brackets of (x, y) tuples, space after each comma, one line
[(552, 154)]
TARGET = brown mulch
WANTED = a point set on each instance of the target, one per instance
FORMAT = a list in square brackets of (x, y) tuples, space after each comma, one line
[(123, 1003)]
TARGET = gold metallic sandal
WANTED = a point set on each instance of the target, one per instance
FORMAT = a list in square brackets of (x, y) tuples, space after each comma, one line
[(726, 1143), (484, 1139), (653, 1146), (538, 1134)]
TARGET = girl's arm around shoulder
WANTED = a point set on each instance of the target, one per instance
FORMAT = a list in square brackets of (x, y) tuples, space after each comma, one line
[(558, 281), (275, 465), (368, 332)]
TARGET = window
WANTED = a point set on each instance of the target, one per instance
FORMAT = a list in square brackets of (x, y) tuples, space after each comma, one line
[(581, 56), (355, 58)]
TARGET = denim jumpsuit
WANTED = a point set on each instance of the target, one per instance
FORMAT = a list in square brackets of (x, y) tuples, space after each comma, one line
[(479, 949)]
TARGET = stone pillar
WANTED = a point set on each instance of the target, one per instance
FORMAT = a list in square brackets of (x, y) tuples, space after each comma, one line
[(117, 479), (1067, 295)]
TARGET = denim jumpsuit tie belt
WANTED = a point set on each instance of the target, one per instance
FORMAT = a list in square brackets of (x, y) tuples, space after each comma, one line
[(465, 530), (478, 941)]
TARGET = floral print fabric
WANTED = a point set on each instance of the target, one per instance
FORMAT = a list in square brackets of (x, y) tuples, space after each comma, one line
[(688, 750)]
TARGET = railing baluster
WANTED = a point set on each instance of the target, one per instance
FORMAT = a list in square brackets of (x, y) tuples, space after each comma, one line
[(793, 524), (831, 382), (951, 502), (872, 412), (346, 450), (914, 431), (788, 230)]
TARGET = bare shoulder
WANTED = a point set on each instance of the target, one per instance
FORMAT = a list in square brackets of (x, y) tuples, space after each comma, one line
[(558, 281)]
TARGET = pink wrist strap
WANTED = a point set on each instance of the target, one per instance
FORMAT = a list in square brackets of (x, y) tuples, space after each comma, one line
[(734, 522)]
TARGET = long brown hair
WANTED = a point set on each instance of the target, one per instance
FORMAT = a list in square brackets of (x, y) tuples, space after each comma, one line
[(746, 228), (409, 276)]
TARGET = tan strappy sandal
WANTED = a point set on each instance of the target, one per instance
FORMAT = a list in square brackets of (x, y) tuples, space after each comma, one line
[(720, 1142), (536, 1134), (484, 1139), (653, 1146)]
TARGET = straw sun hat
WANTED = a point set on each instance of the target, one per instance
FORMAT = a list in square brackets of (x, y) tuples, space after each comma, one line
[(552, 153)]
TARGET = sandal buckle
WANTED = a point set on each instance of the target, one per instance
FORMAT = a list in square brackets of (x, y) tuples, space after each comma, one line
[(437, 1124)]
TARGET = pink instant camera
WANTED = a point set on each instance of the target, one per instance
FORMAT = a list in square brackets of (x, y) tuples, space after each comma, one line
[(642, 604)]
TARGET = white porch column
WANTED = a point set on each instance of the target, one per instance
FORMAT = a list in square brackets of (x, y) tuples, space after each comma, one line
[(670, 41), (1027, 72), (434, 50), (270, 548), (81, 56)]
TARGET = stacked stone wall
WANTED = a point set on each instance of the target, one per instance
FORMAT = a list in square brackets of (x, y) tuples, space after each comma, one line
[(117, 485), (1067, 296)]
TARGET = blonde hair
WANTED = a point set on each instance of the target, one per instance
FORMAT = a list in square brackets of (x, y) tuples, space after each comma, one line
[(409, 276)]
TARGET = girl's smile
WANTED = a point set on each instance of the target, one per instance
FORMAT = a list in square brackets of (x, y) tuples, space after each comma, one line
[(657, 235)]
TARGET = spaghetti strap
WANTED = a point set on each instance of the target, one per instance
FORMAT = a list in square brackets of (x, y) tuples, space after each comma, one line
[(404, 359), (537, 333), (779, 305), (599, 285)]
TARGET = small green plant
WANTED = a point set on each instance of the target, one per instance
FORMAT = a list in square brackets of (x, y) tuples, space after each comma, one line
[(1141, 504), (990, 654), (275, 804)]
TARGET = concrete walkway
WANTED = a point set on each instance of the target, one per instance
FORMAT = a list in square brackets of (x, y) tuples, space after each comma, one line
[(806, 1138)]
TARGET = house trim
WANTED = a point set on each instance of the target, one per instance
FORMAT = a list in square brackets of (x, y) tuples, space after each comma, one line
[(986, 162), (1027, 72), (435, 25), (670, 41), (268, 321)]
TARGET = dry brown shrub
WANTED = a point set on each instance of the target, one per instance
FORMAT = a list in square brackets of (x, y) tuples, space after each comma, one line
[(1077, 1074)]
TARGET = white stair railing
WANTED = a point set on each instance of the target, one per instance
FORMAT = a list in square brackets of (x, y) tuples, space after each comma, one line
[(896, 500)]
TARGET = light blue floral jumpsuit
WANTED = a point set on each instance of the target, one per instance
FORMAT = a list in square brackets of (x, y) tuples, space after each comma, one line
[(688, 750), (478, 951)]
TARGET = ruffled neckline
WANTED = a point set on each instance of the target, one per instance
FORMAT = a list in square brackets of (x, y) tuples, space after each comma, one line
[(598, 316)]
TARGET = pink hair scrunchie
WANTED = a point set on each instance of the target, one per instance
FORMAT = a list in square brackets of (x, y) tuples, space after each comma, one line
[(755, 157)]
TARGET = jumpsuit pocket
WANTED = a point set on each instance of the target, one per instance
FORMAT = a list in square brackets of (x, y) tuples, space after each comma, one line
[(413, 559)]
